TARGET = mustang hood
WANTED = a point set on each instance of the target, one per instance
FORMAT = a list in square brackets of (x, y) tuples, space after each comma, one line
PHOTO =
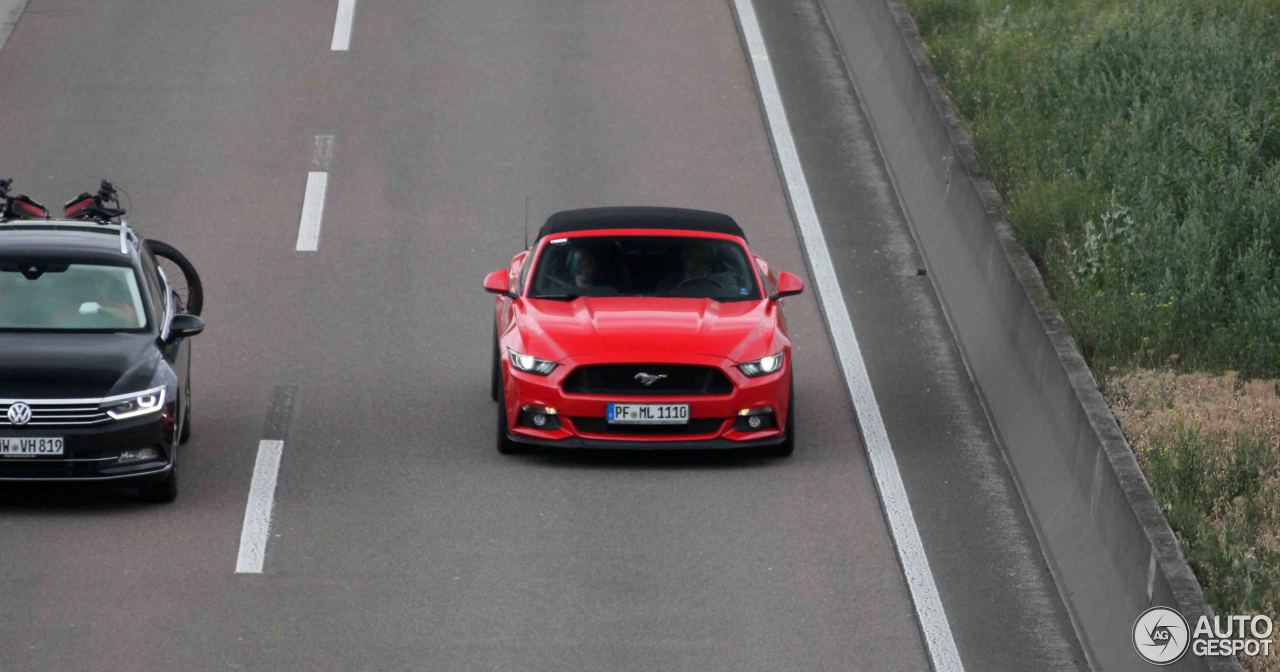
[(739, 330), (74, 366)]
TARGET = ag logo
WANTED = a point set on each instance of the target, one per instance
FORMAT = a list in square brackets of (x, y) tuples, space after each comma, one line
[(1161, 636)]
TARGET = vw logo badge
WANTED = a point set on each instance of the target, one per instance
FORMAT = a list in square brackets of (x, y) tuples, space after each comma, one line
[(648, 379), (19, 413)]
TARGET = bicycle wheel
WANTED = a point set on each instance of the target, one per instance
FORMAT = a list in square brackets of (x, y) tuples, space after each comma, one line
[(182, 276)]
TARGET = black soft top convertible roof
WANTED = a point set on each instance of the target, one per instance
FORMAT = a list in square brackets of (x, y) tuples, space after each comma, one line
[(588, 219)]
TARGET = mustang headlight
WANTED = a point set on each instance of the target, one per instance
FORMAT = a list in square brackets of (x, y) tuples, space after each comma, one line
[(531, 364), (147, 401), (761, 366)]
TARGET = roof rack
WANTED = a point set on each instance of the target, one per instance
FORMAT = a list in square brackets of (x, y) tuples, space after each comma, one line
[(127, 236)]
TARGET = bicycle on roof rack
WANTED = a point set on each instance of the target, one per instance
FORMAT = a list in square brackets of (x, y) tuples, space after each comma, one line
[(104, 208), (19, 206)]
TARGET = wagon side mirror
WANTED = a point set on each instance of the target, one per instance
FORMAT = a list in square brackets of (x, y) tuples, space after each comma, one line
[(184, 326)]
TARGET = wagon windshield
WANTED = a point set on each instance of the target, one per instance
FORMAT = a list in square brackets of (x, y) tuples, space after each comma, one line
[(61, 296)]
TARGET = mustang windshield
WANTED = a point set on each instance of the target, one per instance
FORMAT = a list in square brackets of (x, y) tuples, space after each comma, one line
[(69, 297), (686, 267)]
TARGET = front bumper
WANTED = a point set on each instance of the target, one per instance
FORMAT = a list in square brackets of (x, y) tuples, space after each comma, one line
[(93, 453), (673, 445), (712, 417)]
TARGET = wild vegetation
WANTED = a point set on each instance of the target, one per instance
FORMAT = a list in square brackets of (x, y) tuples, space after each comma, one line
[(1137, 146)]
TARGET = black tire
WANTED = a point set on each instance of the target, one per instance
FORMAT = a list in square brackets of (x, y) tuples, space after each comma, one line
[(161, 491), (186, 282), (185, 435), (495, 381), (788, 445), (505, 445)]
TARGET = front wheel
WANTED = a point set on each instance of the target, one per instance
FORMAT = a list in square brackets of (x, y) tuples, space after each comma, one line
[(162, 491), (185, 435), (495, 370), (182, 276), (505, 445), (788, 444)]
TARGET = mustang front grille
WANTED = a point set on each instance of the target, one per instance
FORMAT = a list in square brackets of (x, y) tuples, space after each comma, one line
[(649, 380)]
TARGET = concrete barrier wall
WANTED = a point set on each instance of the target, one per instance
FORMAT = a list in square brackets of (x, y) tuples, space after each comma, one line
[(1109, 547)]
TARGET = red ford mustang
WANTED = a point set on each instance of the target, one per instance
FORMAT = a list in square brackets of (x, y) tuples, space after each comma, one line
[(642, 328)]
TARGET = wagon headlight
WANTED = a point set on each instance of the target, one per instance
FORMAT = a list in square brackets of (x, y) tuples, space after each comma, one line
[(530, 364), (132, 406), (761, 366)]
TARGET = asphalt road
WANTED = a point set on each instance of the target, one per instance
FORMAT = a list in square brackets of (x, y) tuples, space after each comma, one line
[(401, 539)]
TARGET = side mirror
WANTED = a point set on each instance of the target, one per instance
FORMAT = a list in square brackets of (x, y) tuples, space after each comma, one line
[(789, 284), (184, 325), (498, 282)]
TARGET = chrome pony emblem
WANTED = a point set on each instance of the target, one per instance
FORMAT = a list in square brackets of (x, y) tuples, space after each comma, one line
[(648, 379), (19, 413)]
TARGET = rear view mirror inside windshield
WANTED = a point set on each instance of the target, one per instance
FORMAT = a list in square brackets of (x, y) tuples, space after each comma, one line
[(32, 270)]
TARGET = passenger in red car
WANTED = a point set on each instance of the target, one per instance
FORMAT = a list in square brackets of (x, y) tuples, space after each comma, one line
[(584, 263)]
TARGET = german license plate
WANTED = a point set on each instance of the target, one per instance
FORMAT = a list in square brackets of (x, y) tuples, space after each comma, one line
[(30, 446), (648, 414)]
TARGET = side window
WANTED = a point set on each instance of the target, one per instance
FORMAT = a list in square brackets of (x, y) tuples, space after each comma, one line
[(764, 276), (524, 272), (155, 286)]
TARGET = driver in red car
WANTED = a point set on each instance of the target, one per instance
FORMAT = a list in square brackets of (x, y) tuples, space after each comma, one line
[(697, 262)]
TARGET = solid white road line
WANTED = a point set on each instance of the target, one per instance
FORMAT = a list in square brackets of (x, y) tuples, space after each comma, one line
[(257, 513), (312, 211), (10, 12), (342, 25), (924, 592)]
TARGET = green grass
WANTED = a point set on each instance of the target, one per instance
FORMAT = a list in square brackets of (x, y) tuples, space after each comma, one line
[(1214, 496), (1137, 145)]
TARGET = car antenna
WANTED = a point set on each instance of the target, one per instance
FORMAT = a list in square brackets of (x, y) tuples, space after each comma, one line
[(526, 221)]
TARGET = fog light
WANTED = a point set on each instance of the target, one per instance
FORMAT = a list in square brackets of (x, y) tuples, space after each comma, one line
[(539, 417), (139, 455), (755, 419)]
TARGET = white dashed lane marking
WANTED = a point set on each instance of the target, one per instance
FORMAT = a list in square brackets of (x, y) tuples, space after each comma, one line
[(10, 12), (312, 211), (256, 530), (342, 25)]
